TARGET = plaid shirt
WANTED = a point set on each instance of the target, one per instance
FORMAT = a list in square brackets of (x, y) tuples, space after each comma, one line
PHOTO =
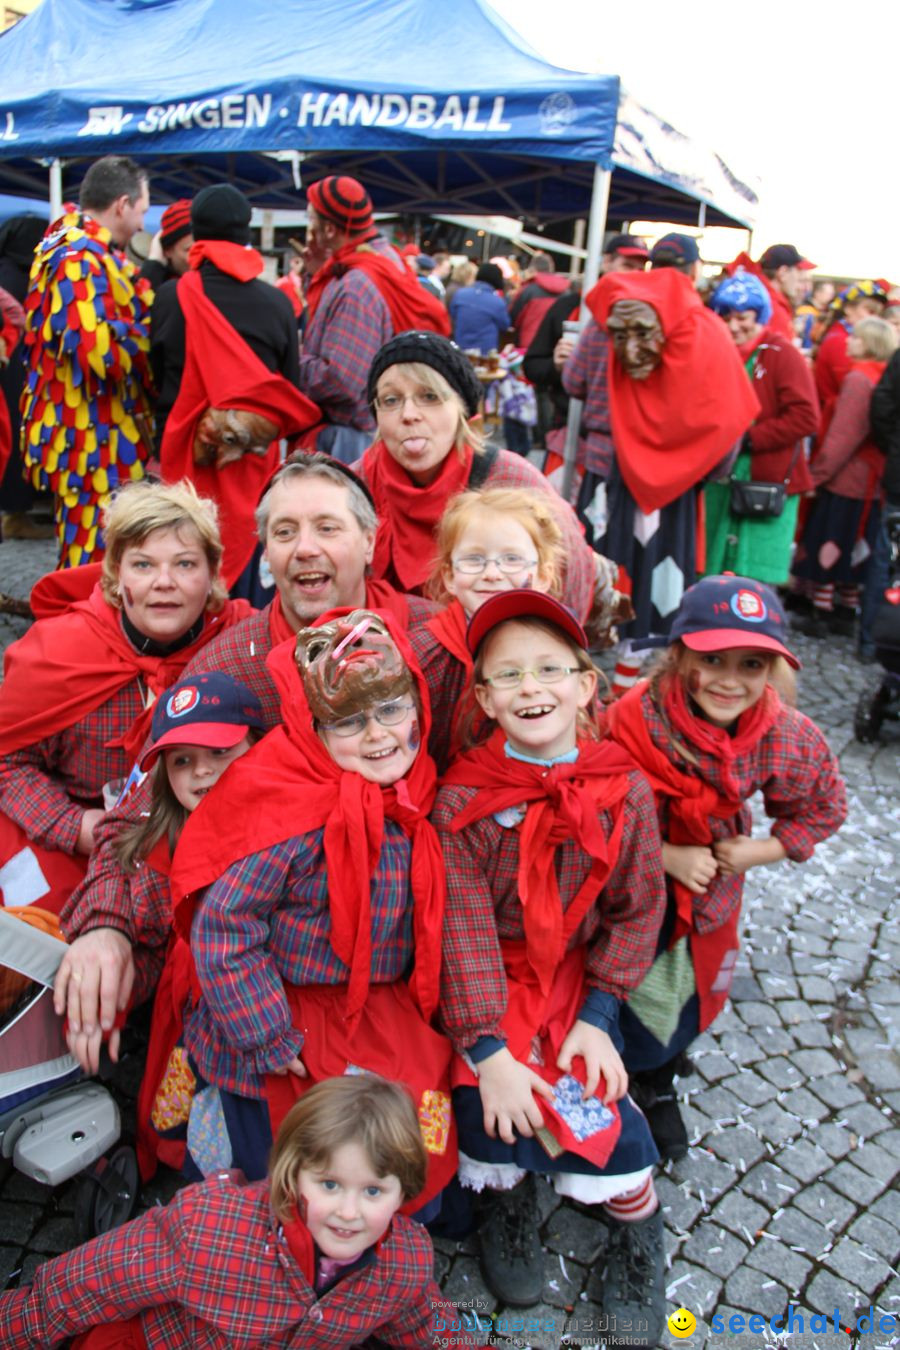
[(46, 788), (584, 377), (620, 930), (212, 1270), (105, 898), (265, 923), (446, 680), (793, 767), (141, 908), (351, 325)]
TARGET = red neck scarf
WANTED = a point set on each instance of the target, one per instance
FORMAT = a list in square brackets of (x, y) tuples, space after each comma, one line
[(239, 262), (409, 304), (873, 370), (65, 667), (562, 803), (691, 799), (746, 349), (306, 790), (221, 371), (671, 429), (782, 320), (408, 514)]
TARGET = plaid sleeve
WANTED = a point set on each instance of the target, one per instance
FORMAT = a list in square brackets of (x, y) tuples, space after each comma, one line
[(241, 984), (351, 326), (575, 374), (103, 900), (134, 1267), (804, 792), (427, 1320), (473, 981), (36, 800), (632, 904)]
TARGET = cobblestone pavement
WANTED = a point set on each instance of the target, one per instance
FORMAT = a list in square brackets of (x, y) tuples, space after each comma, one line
[(789, 1193)]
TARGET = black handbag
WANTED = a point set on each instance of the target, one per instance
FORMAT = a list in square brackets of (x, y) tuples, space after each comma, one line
[(759, 501)]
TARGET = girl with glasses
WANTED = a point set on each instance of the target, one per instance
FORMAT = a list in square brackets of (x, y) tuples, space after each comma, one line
[(555, 893), (488, 542), (319, 891)]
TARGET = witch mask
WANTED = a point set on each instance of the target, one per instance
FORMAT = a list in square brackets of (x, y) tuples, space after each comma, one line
[(637, 337), (349, 664)]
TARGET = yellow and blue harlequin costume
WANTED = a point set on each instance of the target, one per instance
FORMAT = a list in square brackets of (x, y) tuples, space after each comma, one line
[(87, 343)]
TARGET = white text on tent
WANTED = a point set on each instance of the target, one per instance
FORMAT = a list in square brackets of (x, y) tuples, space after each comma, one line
[(416, 113)]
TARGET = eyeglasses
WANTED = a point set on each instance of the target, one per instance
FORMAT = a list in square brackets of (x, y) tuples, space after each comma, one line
[(546, 674), (425, 398), (385, 714), (473, 563)]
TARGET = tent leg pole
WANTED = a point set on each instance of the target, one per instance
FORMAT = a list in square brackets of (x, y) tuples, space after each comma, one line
[(56, 189), (596, 228)]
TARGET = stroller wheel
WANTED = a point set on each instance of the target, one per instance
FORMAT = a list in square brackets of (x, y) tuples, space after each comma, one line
[(869, 713), (107, 1195)]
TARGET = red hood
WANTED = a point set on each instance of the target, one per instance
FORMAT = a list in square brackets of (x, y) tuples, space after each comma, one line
[(554, 283)]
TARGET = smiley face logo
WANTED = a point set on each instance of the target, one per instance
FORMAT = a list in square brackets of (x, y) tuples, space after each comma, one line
[(682, 1323)]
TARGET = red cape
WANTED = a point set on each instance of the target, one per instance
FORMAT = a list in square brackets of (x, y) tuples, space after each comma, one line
[(409, 304), (306, 790), (562, 804), (671, 429), (221, 371), (65, 667), (408, 514)]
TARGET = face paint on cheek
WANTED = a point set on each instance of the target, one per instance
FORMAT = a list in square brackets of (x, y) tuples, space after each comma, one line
[(693, 682), (301, 1207), (415, 739), (126, 591)]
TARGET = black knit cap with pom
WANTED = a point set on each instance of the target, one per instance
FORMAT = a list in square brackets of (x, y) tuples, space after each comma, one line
[(429, 349)]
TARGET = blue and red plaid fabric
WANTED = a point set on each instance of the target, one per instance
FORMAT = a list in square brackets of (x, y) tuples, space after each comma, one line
[(584, 376), (351, 325), (446, 679), (212, 1270), (803, 792), (620, 930), (138, 904), (265, 922), (46, 788)]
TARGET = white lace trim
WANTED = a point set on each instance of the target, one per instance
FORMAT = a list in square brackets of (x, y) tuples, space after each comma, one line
[(476, 1176), (596, 1190)]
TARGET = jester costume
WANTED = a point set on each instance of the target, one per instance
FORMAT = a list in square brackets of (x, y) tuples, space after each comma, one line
[(87, 384)]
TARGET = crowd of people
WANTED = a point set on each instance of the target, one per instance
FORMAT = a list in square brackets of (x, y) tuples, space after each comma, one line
[(325, 771)]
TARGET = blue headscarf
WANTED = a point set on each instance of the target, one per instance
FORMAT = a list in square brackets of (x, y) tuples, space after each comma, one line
[(742, 291)]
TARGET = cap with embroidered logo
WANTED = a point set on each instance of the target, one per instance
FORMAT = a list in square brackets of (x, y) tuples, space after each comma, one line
[(211, 710)]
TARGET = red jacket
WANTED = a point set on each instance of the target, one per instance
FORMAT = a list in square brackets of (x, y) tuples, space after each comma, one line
[(790, 410), (213, 1270), (848, 463)]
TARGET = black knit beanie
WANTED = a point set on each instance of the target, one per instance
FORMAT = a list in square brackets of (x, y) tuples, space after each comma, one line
[(430, 349), (221, 212)]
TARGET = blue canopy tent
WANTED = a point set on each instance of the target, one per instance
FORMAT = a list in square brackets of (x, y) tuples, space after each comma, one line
[(206, 89)]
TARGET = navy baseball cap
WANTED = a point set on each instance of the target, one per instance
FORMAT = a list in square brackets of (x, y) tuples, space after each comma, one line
[(212, 710), (785, 255), (629, 245), (679, 246), (728, 611), (522, 604)]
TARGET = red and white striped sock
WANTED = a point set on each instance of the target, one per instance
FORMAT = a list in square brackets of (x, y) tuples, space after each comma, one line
[(823, 596), (849, 596), (626, 673), (634, 1205)]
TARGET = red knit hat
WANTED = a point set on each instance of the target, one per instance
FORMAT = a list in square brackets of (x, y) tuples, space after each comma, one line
[(176, 222), (345, 202)]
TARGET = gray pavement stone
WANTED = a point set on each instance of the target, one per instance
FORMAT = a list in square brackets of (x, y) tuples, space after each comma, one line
[(740, 1214), (575, 1235), (739, 1146), (876, 1235), (856, 1263), (801, 1103), (836, 1091), (776, 1125), (799, 1232), (832, 1137), (771, 1186), (777, 1260), (692, 1287), (751, 1289), (816, 1063), (781, 1072), (751, 1089), (712, 1247), (856, 1185), (826, 1206)]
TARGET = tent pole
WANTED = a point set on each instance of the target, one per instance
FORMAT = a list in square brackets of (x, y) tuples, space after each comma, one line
[(56, 189), (596, 228)]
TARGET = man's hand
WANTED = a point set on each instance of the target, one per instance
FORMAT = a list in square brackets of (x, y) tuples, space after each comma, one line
[(155, 251), (89, 822), (92, 985), (563, 350), (736, 855), (600, 1057), (507, 1090), (691, 864)]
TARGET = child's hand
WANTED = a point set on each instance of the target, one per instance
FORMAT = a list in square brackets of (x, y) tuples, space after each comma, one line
[(89, 822), (600, 1057), (295, 1066), (691, 864), (736, 855), (507, 1090)]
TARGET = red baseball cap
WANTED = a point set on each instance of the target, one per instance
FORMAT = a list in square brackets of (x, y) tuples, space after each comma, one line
[(522, 604)]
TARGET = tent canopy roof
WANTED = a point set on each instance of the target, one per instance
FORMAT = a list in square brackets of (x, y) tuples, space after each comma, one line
[(372, 88)]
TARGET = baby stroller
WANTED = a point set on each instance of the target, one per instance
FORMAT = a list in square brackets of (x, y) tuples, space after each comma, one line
[(53, 1123), (881, 699)]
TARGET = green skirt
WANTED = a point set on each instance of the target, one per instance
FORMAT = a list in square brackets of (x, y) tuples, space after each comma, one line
[(760, 549)]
